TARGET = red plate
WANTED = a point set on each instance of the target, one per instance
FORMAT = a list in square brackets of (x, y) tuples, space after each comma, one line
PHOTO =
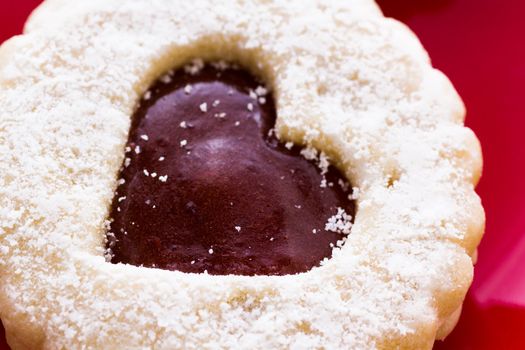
[(480, 45)]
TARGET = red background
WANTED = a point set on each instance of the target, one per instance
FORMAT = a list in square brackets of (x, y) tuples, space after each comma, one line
[(480, 45)]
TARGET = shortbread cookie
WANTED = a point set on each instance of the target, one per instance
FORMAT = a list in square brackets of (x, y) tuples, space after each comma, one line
[(351, 87)]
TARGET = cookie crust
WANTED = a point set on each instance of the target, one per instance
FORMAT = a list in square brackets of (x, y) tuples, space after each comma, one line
[(346, 81)]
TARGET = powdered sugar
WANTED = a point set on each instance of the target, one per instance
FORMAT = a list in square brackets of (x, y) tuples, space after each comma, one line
[(341, 222)]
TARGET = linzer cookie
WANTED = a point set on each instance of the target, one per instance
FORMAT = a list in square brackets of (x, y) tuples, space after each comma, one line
[(189, 174)]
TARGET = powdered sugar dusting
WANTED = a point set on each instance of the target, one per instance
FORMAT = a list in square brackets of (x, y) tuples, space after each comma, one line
[(341, 222)]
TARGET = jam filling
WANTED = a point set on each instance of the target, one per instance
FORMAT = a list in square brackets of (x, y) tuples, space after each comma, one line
[(206, 186)]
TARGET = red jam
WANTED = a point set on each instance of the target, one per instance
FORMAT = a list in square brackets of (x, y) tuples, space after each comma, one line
[(206, 186)]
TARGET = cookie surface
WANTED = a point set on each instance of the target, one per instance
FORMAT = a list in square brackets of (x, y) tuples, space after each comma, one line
[(347, 81)]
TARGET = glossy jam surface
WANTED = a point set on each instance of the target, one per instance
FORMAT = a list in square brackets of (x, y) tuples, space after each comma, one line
[(207, 187)]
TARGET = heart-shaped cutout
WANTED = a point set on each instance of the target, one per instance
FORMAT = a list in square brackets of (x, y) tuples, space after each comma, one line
[(207, 187)]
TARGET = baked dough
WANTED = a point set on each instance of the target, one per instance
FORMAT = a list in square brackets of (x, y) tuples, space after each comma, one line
[(346, 81)]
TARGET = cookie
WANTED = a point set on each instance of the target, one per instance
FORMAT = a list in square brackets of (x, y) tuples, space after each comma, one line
[(350, 87)]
